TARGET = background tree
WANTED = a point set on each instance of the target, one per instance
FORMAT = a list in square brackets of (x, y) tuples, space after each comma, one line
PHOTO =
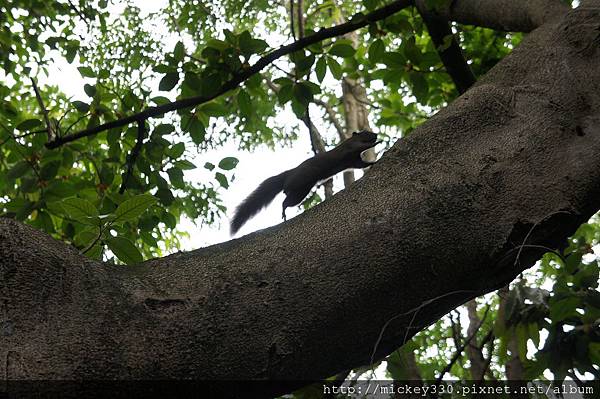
[(108, 175)]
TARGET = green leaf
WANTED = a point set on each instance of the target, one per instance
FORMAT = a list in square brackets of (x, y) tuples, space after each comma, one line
[(50, 169), (420, 88), (124, 250), (412, 51), (393, 59), (209, 166), (176, 150), (342, 48), (81, 210), (169, 81), (184, 164), (222, 179), (285, 94), (18, 170), (163, 129), (86, 72), (29, 124), (321, 69), (244, 103), (228, 163), (133, 207), (376, 51), (81, 106), (303, 94), (160, 100), (89, 90), (179, 51), (334, 67), (564, 308), (176, 177)]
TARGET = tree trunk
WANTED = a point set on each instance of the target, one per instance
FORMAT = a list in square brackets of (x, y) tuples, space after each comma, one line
[(438, 221)]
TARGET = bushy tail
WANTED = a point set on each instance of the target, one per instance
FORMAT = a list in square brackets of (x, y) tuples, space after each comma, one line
[(258, 199)]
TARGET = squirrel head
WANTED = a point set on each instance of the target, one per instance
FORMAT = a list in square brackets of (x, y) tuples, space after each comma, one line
[(363, 140)]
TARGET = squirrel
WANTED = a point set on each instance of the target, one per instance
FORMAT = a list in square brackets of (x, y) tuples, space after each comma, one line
[(296, 183)]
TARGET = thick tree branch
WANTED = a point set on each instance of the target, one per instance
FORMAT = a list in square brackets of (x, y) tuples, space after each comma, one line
[(133, 155), (357, 22), (43, 111), (504, 15), (435, 222), (447, 47)]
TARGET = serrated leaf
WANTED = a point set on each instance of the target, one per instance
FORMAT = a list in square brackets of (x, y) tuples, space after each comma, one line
[(124, 250), (228, 163), (133, 207), (169, 81)]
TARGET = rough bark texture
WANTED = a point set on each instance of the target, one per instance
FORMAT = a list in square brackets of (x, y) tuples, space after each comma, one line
[(507, 15), (438, 221)]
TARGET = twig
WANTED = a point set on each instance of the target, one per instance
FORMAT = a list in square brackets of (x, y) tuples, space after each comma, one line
[(91, 245), (451, 55), (415, 309), (462, 347), (132, 157), (292, 20), (20, 136), (359, 21), (332, 117), (44, 110), (77, 10)]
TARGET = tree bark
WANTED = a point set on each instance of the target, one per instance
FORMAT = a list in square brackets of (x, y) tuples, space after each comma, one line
[(437, 221)]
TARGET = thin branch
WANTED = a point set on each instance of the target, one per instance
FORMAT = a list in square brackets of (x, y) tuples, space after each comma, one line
[(44, 110), (332, 116), (292, 20), (91, 244), (77, 11), (460, 349), (449, 52), (20, 136), (413, 310), (359, 21), (300, 18), (141, 135)]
